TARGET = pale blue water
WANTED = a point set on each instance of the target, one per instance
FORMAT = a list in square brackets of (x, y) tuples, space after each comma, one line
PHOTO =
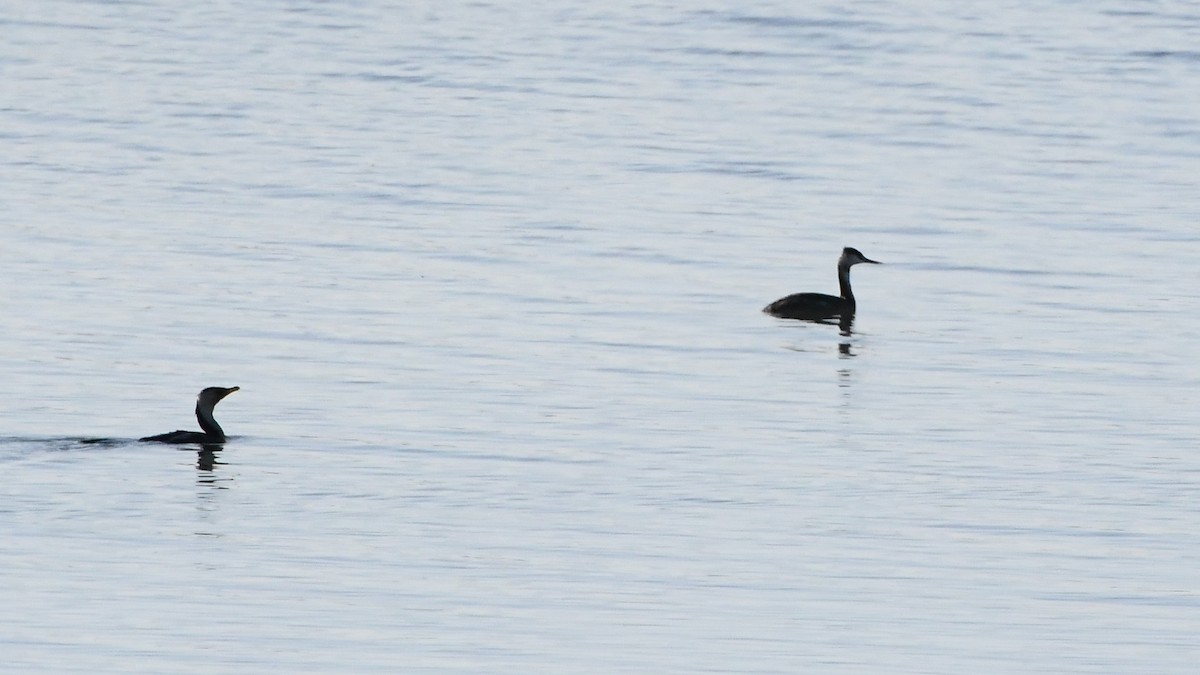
[(489, 278)]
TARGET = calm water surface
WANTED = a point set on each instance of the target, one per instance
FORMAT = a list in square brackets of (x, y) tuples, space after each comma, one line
[(490, 278)]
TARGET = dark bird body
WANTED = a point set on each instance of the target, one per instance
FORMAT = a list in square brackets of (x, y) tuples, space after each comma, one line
[(816, 306), (212, 432)]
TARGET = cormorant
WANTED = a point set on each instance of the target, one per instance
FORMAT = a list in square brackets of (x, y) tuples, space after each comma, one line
[(205, 402)]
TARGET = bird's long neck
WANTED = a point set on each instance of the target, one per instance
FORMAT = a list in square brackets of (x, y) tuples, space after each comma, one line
[(204, 415), (844, 283)]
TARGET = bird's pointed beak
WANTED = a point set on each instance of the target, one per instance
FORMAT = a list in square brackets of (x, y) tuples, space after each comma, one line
[(873, 262)]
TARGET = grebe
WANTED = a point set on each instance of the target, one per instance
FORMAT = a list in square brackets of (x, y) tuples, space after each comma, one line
[(205, 402), (813, 306)]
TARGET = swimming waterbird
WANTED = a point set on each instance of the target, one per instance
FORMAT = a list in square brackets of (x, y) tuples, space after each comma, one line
[(815, 306), (205, 402)]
